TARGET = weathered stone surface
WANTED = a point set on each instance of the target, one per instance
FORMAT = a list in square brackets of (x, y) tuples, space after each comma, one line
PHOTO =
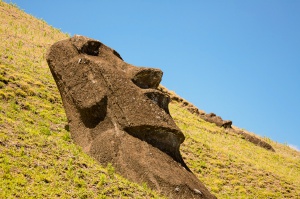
[(116, 114), (255, 140), (213, 118)]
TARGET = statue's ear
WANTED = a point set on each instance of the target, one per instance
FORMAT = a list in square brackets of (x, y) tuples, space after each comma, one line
[(84, 82)]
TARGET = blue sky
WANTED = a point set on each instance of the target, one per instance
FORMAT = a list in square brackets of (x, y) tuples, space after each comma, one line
[(238, 59)]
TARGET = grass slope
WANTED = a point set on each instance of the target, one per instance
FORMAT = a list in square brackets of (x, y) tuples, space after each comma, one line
[(39, 160), (232, 167), (37, 156)]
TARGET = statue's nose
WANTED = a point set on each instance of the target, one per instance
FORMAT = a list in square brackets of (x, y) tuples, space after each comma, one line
[(146, 77)]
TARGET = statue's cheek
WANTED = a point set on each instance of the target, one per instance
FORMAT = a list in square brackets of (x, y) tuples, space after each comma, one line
[(87, 90)]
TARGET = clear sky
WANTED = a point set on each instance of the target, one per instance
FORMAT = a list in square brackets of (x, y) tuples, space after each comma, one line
[(238, 59)]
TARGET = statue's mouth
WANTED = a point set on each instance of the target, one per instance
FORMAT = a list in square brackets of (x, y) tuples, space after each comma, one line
[(165, 139), (159, 98)]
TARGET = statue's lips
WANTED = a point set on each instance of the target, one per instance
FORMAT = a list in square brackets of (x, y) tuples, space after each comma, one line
[(159, 98), (165, 139)]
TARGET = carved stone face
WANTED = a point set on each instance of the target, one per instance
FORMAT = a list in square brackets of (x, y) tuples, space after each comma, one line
[(101, 92), (117, 115)]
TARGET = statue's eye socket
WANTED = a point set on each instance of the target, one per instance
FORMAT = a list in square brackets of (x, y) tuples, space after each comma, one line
[(91, 48)]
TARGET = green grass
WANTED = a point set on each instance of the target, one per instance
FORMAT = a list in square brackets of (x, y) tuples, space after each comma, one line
[(39, 160), (37, 156), (232, 167), (43, 164)]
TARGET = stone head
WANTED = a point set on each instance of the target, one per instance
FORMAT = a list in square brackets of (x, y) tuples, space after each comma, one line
[(101, 92)]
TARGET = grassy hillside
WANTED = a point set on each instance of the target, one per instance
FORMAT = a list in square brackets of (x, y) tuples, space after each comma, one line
[(37, 156), (39, 160), (232, 167)]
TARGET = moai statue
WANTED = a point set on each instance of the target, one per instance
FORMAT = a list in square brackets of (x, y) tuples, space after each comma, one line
[(117, 115)]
